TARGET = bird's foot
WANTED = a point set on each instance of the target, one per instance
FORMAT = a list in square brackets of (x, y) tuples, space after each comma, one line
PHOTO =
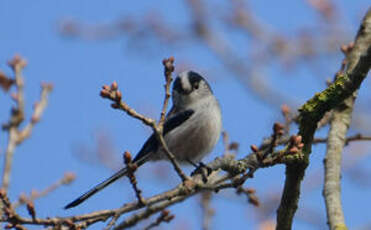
[(202, 169)]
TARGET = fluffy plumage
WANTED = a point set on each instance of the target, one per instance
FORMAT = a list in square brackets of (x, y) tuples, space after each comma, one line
[(191, 129)]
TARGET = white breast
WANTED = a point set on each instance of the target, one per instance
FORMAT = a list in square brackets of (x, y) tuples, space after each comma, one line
[(197, 136)]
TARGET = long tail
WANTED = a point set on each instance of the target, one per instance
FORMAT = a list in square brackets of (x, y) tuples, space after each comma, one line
[(97, 188), (104, 184)]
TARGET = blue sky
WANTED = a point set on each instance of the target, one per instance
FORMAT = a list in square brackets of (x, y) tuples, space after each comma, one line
[(79, 68)]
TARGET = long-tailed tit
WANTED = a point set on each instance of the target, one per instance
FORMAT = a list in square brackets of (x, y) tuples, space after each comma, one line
[(192, 128)]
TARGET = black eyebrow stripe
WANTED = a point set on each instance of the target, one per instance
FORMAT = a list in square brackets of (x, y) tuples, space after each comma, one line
[(177, 85), (195, 77)]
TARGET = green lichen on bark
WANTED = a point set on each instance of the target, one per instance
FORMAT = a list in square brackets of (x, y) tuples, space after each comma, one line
[(314, 109), (310, 114), (359, 62), (293, 158)]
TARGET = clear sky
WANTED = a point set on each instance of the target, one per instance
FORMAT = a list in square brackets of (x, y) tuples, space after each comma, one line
[(76, 114)]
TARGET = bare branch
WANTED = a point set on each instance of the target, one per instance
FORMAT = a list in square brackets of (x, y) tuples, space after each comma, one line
[(39, 108), (340, 122), (207, 211), (17, 116), (356, 137), (331, 191), (133, 180), (168, 70), (23, 199), (236, 173), (164, 217), (17, 136), (250, 193), (112, 93)]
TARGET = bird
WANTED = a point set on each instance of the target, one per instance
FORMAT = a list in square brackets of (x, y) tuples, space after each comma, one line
[(191, 129)]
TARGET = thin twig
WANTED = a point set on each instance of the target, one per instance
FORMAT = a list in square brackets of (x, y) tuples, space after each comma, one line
[(168, 70), (207, 211), (286, 112), (17, 136), (39, 108), (171, 157), (229, 146), (164, 217), (17, 116), (250, 194), (131, 168), (67, 179), (112, 222), (161, 201), (352, 138), (112, 93)]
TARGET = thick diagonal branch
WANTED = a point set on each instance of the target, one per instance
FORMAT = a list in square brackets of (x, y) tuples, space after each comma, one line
[(314, 109), (336, 140)]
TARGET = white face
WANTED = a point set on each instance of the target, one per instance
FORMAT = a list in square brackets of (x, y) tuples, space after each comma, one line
[(189, 87)]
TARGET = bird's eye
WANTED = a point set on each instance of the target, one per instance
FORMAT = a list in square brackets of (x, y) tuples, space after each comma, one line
[(196, 85)]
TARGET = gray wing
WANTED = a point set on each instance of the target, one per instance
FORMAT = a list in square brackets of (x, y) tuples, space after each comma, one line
[(172, 122), (150, 146)]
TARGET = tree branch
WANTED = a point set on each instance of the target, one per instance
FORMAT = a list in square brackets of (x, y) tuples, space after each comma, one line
[(17, 116), (236, 174), (313, 111), (336, 140)]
